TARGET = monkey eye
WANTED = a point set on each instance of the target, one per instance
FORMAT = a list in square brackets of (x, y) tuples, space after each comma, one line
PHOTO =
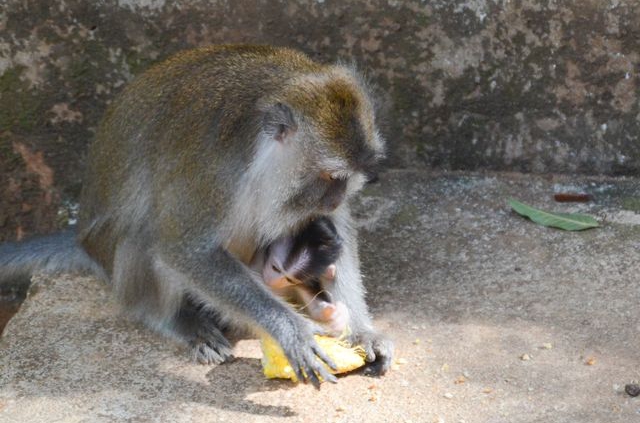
[(291, 281), (326, 176), (275, 268), (332, 176)]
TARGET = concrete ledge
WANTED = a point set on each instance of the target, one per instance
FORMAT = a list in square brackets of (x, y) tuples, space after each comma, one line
[(529, 85), (464, 286)]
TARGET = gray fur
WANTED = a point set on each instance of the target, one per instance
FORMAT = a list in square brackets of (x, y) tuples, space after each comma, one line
[(52, 254), (187, 179), (348, 288)]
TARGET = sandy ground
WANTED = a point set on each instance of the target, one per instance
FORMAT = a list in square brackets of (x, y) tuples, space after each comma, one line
[(495, 319)]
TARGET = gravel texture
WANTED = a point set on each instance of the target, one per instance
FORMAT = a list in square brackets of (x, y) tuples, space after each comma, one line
[(495, 320)]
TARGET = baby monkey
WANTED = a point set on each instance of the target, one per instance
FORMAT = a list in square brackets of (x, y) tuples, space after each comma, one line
[(299, 268)]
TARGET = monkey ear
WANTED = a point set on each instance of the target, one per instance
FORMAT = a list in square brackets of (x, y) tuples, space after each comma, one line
[(279, 121)]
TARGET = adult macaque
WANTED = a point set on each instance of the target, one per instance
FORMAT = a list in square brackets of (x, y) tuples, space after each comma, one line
[(205, 159)]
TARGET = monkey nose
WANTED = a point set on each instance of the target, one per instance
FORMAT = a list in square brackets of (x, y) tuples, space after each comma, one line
[(335, 195), (333, 202)]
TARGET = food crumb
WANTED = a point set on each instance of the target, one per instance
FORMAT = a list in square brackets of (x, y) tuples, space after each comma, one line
[(547, 346), (448, 395), (401, 361), (487, 390), (460, 380), (590, 361), (525, 357)]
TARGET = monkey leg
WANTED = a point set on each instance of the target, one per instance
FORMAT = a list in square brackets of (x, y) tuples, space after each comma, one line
[(154, 294), (201, 327)]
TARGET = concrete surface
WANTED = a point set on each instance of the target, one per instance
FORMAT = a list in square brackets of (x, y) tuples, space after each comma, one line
[(496, 320), (527, 85)]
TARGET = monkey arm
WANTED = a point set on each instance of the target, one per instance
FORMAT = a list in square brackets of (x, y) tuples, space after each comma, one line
[(348, 288), (231, 289)]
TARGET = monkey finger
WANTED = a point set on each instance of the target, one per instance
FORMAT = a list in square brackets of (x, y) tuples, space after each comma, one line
[(308, 369), (313, 378), (320, 372), (379, 366), (328, 376), (316, 329), (330, 273), (300, 374), (315, 374), (371, 355), (379, 354), (367, 345), (324, 357)]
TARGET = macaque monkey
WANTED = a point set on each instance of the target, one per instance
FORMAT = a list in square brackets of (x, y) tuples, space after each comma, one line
[(204, 160), (300, 269)]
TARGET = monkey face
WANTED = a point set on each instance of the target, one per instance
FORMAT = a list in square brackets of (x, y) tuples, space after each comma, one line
[(305, 258), (315, 143), (321, 195), (334, 194), (288, 265), (275, 273), (325, 126), (328, 178)]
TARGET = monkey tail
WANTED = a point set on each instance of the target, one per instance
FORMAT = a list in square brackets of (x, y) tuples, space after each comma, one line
[(51, 254)]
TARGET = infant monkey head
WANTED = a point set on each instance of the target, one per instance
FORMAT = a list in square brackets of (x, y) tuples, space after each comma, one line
[(300, 267), (301, 259)]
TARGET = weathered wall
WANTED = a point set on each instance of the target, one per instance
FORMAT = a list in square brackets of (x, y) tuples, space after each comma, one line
[(527, 85)]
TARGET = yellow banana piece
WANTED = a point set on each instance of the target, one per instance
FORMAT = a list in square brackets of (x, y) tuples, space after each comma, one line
[(276, 366)]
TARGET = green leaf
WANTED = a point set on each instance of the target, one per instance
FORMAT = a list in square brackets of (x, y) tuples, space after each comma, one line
[(566, 221)]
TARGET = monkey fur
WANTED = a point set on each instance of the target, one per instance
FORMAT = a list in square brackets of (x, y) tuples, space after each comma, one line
[(300, 269), (205, 159)]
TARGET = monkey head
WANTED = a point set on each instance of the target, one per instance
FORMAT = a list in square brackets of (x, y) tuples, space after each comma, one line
[(304, 259), (318, 142)]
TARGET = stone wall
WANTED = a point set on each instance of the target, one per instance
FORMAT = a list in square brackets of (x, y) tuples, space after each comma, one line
[(523, 85)]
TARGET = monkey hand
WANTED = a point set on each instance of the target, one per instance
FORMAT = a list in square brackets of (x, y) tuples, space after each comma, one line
[(339, 319), (275, 364), (333, 317), (308, 361), (379, 350)]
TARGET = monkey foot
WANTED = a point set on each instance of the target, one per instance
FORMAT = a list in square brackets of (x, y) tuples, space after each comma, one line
[(210, 352)]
